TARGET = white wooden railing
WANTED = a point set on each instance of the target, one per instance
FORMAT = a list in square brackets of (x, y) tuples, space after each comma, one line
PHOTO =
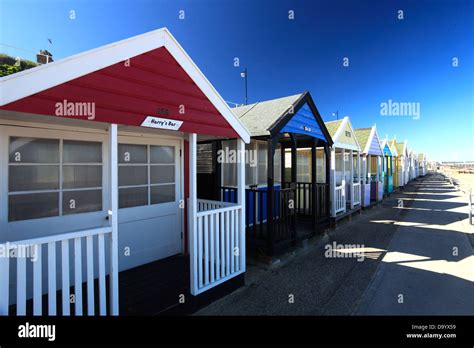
[(339, 199), (356, 193), (204, 205), (52, 244), (220, 249)]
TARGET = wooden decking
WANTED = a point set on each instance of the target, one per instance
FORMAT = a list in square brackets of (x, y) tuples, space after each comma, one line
[(162, 288), (154, 288), (257, 247)]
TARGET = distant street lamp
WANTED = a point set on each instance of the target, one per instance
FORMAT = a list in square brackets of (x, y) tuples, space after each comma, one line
[(336, 114), (243, 74)]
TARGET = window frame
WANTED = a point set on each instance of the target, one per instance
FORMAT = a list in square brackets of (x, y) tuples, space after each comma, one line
[(8, 131), (150, 141), (254, 145)]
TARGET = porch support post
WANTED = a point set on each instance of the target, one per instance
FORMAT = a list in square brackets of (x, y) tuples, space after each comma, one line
[(327, 181), (294, 147), (359, 179), (192, 212), (358, 167), (113, 212), (352, 178), (270, 195), (332, 181), (216, 147), (378, 174), (241, 200), (369, 167), (379, 171), (383, 169), (369, 178), (313, 183), (282, 166), (363, 172), (294, 179), (344, 177)]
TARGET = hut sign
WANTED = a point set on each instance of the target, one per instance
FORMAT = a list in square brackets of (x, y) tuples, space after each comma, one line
[(162, 123)]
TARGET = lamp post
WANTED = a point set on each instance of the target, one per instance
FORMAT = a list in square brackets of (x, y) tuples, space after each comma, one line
[(243, 74), (336, 114)]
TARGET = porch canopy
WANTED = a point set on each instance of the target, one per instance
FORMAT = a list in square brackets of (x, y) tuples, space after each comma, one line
[(291, 121), (144, 84), (386, 148), (369, 141), (393, 147), (402, 148), (345, 145), (388, 167), (296, 114), (372, 161)]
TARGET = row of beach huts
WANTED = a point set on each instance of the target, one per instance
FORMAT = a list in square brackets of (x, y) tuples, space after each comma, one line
[(124, 160), (322, 171)]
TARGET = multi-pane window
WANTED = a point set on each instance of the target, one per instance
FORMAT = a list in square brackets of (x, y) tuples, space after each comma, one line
[(256, 165), (262, 163), (303, 171), (303, 168), (205, 161), (277, 165), (147, 174), (229, 168), (347, 166), (320, 166), (251, 163), (53, 177)]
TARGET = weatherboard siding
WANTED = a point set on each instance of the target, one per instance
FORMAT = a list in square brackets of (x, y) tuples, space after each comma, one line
[(303, 122), (374, 148)]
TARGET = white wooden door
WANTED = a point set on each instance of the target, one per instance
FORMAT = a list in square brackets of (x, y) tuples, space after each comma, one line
[(149, 193)]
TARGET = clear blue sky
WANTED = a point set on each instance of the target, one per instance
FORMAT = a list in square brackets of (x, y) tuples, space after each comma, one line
[(407, 60)]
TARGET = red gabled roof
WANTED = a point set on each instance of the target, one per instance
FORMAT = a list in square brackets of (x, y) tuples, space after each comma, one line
[(151, 83)]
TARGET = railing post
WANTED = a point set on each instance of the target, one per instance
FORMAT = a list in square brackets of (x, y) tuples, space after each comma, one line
[(241, 200), (113, 152), (332, 181), (192, 213)]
